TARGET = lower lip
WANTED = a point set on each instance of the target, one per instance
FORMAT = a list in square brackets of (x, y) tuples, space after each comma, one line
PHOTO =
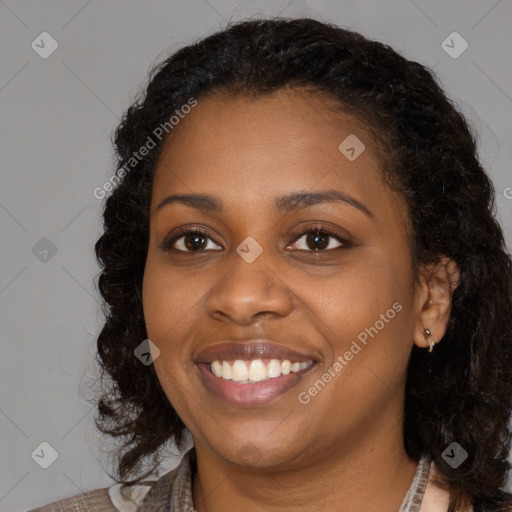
[(246, 395)]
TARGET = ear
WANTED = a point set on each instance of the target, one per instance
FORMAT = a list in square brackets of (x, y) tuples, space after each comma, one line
[(434, 295)]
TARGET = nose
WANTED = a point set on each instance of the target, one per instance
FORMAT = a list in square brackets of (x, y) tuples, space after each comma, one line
[(248, 290)]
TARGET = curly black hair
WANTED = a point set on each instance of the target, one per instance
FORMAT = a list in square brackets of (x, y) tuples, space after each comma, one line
[(462, 391)]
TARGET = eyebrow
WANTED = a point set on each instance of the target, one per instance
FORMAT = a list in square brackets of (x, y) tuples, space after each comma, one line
[(286, 203)]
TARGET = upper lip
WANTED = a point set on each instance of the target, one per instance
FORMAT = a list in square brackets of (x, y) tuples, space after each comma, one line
[(248, 350)]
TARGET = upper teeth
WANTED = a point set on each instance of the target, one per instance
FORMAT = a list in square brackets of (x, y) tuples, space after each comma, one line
[(255, 370)]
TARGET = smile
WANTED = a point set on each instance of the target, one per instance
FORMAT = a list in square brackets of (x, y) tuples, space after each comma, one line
[(252, 372), (257, 370)]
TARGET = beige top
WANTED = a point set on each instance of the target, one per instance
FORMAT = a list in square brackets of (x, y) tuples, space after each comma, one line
[(173, 493)]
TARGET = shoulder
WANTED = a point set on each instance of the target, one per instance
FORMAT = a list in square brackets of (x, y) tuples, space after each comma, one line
[(94, 501), (123, 497), (116, 498), (130, 498)]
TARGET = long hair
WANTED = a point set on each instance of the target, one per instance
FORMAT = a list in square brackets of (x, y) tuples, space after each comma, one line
[(459, 393)]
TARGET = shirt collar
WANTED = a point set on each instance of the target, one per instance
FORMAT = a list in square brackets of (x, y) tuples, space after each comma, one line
[(173, 491)]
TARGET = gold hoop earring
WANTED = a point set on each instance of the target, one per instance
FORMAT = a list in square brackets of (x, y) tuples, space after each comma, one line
[(428, 337)]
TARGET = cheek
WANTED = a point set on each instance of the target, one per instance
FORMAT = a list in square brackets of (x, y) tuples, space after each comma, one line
[(369, 312), (359, 294), (370, 322), (168, 305), (168, 311), (170, 298)]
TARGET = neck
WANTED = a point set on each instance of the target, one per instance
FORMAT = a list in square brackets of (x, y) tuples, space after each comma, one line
[(373, 476)]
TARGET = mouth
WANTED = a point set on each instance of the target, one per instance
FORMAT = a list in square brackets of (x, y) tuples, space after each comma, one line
[(252, 373)]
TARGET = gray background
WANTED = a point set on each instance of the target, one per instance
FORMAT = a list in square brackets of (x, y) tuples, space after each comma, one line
[(57, 115)]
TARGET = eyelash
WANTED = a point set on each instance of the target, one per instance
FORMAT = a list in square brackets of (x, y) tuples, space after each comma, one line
[(167, 244)]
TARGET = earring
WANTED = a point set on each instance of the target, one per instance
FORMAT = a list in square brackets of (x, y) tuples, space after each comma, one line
[(428, 336)]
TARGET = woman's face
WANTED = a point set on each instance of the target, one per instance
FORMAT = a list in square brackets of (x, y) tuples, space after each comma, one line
[(255, 292)]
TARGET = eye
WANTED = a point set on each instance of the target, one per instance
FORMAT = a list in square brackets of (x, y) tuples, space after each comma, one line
[(317, 239), (189, 240)]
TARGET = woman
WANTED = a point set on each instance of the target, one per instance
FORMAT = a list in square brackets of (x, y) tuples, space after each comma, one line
[(301, 267)]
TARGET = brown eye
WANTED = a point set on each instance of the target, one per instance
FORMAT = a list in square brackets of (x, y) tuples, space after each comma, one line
[(317, 240), (192, 240), (320, 240)]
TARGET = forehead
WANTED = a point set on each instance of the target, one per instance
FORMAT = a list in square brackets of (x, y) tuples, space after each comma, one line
[(248, 150)]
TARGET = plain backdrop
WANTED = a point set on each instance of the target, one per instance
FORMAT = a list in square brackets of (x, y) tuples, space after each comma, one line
[(56, 118)]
